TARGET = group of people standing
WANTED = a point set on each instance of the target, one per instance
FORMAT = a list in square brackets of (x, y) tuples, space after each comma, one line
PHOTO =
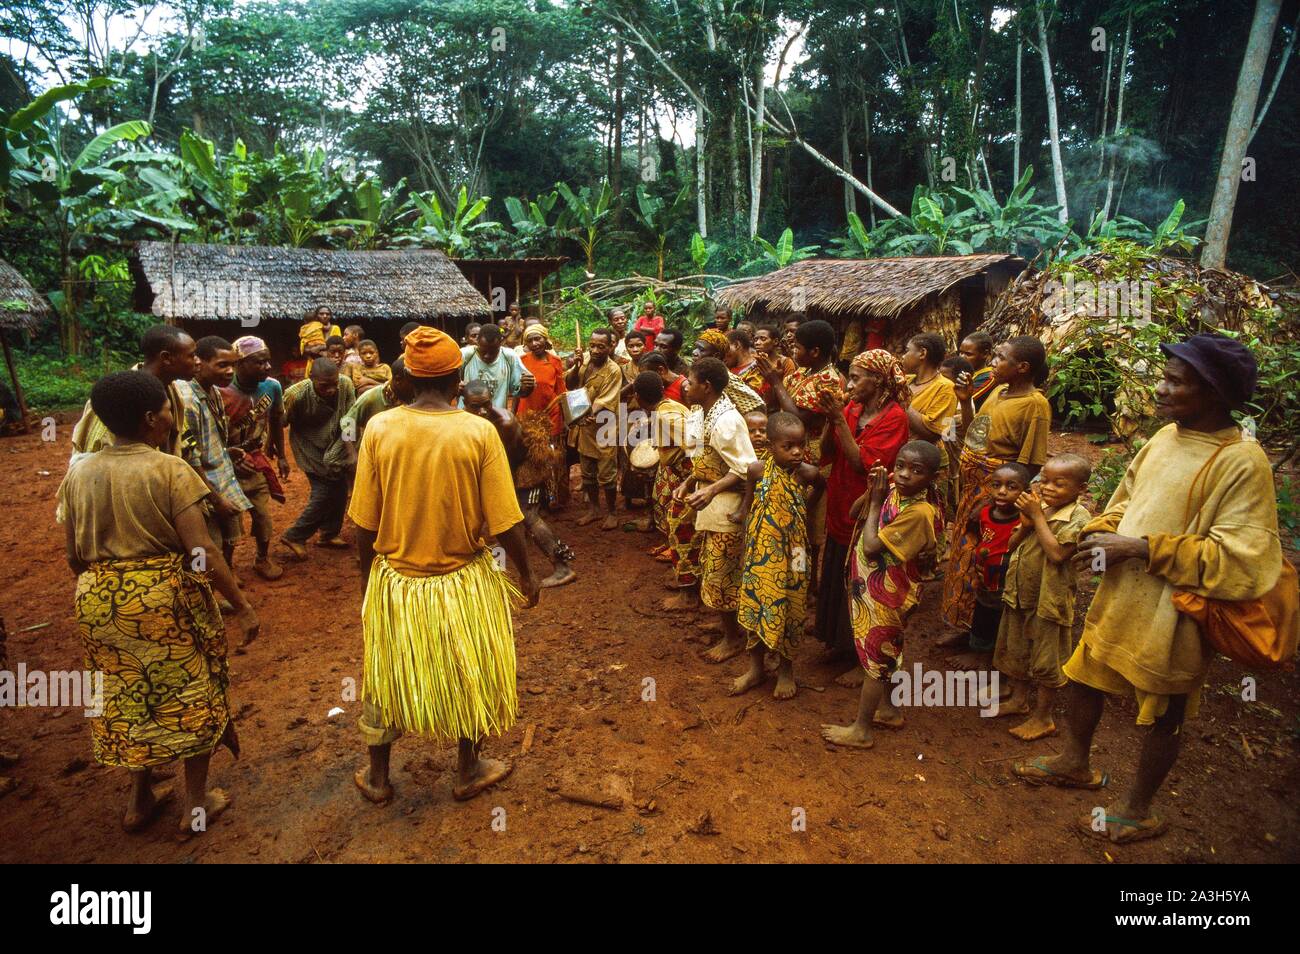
[(779, 477), (781, 482)]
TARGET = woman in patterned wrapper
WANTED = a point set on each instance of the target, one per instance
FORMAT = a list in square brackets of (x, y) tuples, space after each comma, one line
[(149, 622)]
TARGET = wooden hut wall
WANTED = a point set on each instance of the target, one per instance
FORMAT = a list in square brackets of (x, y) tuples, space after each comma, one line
[(518, 286), (520, 280), (943, 314)]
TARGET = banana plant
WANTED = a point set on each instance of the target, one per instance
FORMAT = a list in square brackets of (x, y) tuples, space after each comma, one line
[(998, 227), (584, 217), (1168, 234), (454, 230), (772, 257), (657, 216), (932, 228), (219, 186), (301, 196), (379, 210), (100, 193), (531, 224), (701, 251), (1163, 237), (16, 126), (859, 242)]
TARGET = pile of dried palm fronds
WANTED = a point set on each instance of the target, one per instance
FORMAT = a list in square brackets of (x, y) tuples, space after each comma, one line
[(1104, 316), (1181, 293)]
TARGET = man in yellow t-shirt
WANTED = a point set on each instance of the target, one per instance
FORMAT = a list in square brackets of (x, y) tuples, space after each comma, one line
[(439, 640)]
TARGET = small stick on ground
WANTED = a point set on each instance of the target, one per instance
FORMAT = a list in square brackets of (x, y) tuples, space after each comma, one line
[(595, 801), (705, 716), (739, 717)]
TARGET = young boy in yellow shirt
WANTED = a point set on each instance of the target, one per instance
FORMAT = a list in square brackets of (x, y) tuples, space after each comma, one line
[(1035, 634)]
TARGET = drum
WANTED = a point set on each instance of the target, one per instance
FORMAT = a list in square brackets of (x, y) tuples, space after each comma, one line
[(644, 457)]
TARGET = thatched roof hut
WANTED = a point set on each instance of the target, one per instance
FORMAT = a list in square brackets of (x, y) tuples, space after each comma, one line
[(22, 308), (233, 290), (881, 300)]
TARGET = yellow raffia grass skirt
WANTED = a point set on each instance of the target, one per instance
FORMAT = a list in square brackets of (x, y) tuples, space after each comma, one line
[(440, 650)]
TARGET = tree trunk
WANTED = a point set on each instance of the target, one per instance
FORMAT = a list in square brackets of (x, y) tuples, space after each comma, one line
[(1277, 80), (866, 122), (792, 134), (927, 152), (1105, 112), (846, 160), (980, 57), (756, 149), (1058, 169), (701, 181), (844, 174), (68, 280), (1015, 155), (733, 157), (1215, 252), (1119, 121), (616, 177)]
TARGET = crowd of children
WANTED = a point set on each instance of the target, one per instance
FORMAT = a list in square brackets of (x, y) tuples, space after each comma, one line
[(780, 476)]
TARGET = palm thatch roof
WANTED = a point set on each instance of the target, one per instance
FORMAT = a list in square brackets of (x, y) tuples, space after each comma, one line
[(875, 287), (30, 309), (180, 282)]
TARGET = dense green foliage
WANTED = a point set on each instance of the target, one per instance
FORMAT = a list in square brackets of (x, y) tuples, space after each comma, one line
[(626, 135)]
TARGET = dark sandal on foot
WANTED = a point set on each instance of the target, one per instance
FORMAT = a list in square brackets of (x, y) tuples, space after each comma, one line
[(1036, 772), (1137, 829)]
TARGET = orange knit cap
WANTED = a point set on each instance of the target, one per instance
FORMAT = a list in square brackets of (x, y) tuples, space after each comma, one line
[(430, 353)]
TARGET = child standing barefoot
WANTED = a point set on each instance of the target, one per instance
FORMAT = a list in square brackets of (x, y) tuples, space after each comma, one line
[(1033, 639), (774, 582), (884, 566), (722, 456), (993, 525), (1010, 427)]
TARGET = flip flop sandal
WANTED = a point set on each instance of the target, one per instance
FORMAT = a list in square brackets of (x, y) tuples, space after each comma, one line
[(1047, 777), (1139, 828)]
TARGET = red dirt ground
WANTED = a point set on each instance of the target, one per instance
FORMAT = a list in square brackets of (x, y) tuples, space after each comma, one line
[(716, 778)]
